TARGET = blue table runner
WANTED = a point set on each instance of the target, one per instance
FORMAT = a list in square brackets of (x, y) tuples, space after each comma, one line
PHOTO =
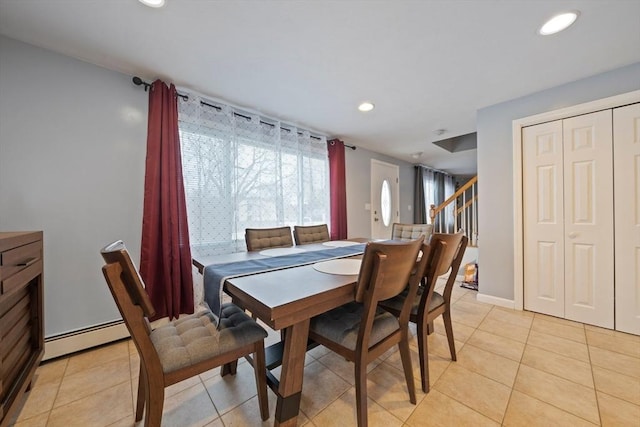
[(215, 275)]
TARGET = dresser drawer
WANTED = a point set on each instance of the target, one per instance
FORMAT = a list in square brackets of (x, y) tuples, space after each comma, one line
[(21, 278), (14, 260)]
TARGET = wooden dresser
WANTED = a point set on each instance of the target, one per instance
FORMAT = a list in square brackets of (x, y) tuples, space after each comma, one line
[(21, 317)]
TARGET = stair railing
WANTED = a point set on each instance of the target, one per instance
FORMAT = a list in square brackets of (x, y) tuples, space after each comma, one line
[(462, 212)]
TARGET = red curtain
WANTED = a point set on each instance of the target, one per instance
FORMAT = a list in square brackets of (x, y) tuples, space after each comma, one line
[(165, 261), (338, 190)]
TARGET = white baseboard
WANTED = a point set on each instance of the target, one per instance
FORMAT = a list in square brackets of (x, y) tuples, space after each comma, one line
[(500, 302), (80, 340)]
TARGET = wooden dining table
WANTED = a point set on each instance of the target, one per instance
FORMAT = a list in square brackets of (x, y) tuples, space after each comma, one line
[(286, 300)]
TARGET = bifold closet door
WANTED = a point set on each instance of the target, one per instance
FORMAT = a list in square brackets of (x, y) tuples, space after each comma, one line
[(626, 134), (543, 210), (568, 218), (588, 209)]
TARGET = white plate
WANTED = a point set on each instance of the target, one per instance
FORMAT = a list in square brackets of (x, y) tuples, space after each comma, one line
[(340, 243), (281, 251), (346, 267)]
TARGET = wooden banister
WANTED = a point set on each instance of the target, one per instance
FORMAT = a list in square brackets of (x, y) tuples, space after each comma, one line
[(464, 214), (435, 209)]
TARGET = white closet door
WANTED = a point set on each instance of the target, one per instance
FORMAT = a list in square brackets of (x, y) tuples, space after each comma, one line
[(588, 209), (543, 218), (626, 131)]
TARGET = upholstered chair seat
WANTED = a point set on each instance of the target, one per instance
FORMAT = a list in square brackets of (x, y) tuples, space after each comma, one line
[(192, 339), (342, 324)]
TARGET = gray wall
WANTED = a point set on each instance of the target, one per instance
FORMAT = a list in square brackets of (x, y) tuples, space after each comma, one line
[(495, 161), (72, 152), (358, 177)]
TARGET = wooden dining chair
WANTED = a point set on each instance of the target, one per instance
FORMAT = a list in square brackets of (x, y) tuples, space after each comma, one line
[(447, 251), (411, 231), (258, 239), (360, 331), (303, 234), (182, 348)]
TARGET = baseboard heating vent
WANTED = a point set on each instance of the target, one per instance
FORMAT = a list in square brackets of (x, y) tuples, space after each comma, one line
[(71, 342)]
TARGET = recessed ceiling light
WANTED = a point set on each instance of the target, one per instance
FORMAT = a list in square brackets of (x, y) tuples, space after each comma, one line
[(152, 3), (558, 23), (366, 106)]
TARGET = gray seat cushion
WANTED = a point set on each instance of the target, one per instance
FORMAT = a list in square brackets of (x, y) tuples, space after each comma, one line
[(195, 338), (341, 325), (397, 302)]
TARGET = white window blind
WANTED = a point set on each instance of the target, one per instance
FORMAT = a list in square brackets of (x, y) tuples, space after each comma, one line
[(241, 170)]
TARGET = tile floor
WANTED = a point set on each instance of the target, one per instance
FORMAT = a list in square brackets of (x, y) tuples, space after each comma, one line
[(514, 369)]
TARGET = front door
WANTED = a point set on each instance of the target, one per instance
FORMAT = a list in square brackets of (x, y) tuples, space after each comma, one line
[(385, 198)]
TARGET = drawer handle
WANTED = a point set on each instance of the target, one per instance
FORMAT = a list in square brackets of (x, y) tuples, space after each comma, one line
[(28, 263)]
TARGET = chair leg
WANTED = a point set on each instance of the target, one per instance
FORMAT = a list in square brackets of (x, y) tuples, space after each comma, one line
[(405, 355), (141, 393), (260, 369), (430, 328), (230, 368), (423, 352), (446, 316), (155, 402), (361, 392)]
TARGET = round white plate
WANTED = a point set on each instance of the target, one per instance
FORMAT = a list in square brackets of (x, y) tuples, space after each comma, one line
[(281, 251), (344, 267), (340, 243)]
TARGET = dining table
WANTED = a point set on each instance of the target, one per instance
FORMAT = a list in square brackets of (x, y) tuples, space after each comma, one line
[(286, 299)]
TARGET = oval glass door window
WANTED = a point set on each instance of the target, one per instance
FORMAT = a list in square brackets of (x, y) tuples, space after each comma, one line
[(385, 202)]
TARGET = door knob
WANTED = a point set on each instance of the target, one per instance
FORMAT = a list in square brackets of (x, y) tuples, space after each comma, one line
[(573, 235), (375, 219)]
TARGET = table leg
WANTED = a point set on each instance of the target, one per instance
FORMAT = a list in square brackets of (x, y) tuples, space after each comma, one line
[(290, 389)]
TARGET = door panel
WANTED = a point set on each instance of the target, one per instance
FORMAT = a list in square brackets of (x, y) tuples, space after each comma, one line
[(385, 198), (543, 218), (588, 228), (626, 131)]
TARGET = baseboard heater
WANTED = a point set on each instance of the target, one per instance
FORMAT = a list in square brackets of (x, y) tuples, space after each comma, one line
[(82, 339)]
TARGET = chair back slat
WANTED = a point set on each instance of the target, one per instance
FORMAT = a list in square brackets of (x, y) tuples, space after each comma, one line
[(452, 245), (116, 253), (400, 260)]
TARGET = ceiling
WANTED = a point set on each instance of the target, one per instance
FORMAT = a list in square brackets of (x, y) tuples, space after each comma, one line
[(426, 65)]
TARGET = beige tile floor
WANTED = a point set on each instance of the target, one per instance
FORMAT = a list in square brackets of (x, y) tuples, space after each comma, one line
[(514, 369)]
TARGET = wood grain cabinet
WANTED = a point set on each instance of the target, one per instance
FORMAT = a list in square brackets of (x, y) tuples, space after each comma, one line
[(21, 317)]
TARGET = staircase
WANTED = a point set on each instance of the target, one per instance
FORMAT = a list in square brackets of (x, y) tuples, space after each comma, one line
[(459, 212)]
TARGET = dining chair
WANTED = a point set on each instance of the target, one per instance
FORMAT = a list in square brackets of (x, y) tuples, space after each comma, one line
[(303, 234), (411, 231), (258, 239), (183, 348), (446, 255), (360, 331)]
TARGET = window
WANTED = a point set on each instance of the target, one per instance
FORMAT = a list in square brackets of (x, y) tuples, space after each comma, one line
[(244, 171)]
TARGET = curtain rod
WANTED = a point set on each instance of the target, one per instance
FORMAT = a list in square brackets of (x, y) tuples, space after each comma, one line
[(433, 169), (139, 82)]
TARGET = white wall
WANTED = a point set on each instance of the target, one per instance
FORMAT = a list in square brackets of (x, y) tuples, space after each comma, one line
[(358, 177), (72, 152), (495, 171)]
